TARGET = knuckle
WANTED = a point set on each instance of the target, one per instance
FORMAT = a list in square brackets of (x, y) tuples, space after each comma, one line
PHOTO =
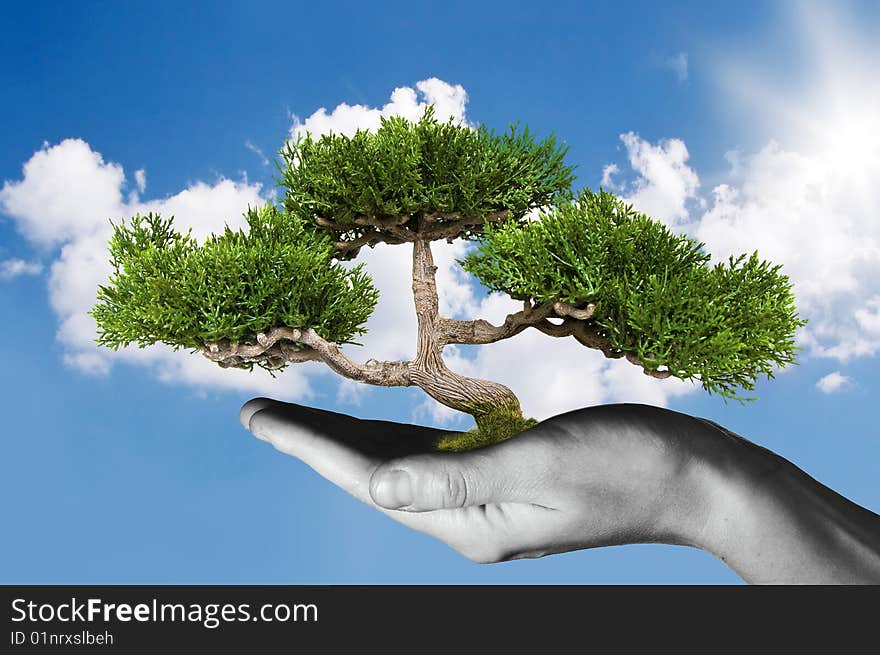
[(454, 488)]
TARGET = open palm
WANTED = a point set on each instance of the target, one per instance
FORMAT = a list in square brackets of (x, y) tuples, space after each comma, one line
[(593, 477)]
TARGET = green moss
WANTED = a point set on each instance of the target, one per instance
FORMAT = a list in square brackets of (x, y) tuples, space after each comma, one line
[(494, 427)]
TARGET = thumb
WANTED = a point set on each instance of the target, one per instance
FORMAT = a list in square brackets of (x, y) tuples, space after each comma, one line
[(439, 481)]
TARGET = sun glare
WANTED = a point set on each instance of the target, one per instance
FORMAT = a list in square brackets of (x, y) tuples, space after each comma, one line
[(827, 106)]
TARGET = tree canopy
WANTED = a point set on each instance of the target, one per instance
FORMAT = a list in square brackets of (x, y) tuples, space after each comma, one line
[(653, 294), (167, 288), (437, 180)]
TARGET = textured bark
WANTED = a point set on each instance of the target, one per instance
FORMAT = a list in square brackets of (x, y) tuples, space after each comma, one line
[(482, 331), (428, 371), (424, 286), (454, 224), (575, 324), (367, 231), (280, 346)]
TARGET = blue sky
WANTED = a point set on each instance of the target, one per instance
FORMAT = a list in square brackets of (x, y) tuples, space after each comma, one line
[(749, 126)]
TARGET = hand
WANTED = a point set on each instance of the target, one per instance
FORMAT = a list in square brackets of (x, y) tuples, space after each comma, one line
[(600, 476)]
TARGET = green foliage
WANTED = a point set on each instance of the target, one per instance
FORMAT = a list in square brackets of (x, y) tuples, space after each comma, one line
[(167, 288), (494, 427), (405, 167), (655, 293)]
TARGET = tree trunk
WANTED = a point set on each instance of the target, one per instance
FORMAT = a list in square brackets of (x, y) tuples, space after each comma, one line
[(480, 398)]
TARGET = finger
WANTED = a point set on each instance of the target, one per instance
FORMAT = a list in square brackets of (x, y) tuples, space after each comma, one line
[(251, 407), (386, 439), (308, 435), (506, 472)]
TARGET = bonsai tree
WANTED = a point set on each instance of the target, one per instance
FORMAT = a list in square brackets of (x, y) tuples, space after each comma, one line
[(585, 266)]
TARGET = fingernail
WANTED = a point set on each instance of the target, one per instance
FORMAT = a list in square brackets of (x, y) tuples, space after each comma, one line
[(394, 490)]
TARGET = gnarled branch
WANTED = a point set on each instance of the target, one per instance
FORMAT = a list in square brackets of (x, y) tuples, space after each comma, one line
[(564, 309), (282, 345), (481, 331), (576, 323), (391, 227), (350, 248), (455, 223), (371, 230)]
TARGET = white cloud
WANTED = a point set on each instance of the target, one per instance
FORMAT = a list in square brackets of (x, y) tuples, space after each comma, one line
[(868, 317), (833, 382), (449, 102), (10, 268), (67, 190), (140, 179), (665, 183), (206, 208), (608, 173), (678, 64), (257, 151), (295, 383), (350, 392)]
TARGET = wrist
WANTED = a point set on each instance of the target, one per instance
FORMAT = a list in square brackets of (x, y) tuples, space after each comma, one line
[(693, 464), (772, 523), (727, 476), (722, 480)]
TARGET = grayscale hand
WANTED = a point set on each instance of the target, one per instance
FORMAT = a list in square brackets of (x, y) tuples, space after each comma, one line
[(601, 476)]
